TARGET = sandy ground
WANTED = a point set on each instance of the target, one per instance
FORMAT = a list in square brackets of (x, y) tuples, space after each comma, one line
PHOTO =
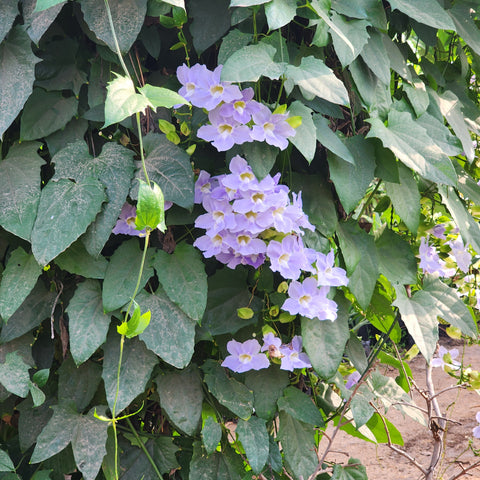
[(462, 405)]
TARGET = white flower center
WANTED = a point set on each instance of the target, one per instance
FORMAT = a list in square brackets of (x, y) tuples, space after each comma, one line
[(245, 357), (304, 300), (131, 222), (216, 90)]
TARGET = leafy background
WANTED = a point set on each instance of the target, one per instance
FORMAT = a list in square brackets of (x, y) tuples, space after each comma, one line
[(388, 97)]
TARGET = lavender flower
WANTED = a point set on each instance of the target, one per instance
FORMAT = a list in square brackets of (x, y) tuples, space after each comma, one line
[(446, 359), (203, 186), (460, 254), (287, 257), (439, 231), (477, 295), (476, 430), (245, 356), (126, 222), (241, 110), (271, 128), (293, 356), (310, 301), (430, 261), (271, 344), (352, 380), (327, 273)]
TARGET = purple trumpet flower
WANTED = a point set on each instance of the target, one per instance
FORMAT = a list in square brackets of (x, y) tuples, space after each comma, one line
[(245, 356)]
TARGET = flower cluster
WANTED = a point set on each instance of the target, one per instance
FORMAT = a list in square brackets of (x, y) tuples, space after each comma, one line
[(248, 355), (242, 212), (234, 116)]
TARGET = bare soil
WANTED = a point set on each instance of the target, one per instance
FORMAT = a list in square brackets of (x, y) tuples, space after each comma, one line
[(461, 405)]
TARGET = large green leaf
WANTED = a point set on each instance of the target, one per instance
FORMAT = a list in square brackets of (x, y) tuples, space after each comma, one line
[(35, 308), (224, 465), (88, 324), (161, 97), (37, 23), (405, 197), (17, 73), (315, 79), (260, 156), (280, 12), (121, 275), (176, 348), (128, 17), (18, 280), (170, 168), (330, 140), (228, 391), (20, 187), (325, 341), (412, 145), (428, 12), (185, 410), (449, 306), (14, 374), (211, 434), (376, 57), (461, 14), (469, 227), (6, 464), (267, 386), (75, 259), (419, 313), (7, 16), (352, 471), (355, 31), (44, 4), (233, 41), (182, 275), (45, 113), (396, 259), (136, 368), (298, 442), (300, 406), (352, 180), (305, 135), (65, 210), (254, 437)]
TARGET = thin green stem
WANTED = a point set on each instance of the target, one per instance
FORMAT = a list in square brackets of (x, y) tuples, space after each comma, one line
[(369, 199), (255, 33), (140, 143), (114, 420), (145, 451)]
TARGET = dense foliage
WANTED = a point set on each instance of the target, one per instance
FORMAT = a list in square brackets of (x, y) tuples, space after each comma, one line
[(319, 157)]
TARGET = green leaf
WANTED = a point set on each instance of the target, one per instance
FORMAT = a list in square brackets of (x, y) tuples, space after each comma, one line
[(176, 348), (225, 465), (137, 323), (229, 392), (411, 144), (136, 368), (121, 275), (247, 3), (300, 406), (38, 396), (114, 168), (168, 166), (352, 180), (280, 12), (122, 100), (469, 227), (254, 437), (418, 97), (298, 442), (78, 385), (161, 97), (65, 210), (45, 113), (44, 4), (461, 14), (251, 62), (7, 17), (325, 341), (17, 74), (41, 377), (88, 443), (227, 291), (330, 140), (32, 421), (88, 325), (376, 57), (182, 275), (261, 157), (396, 259), (419, 313), (377, 427), (150, 207), (128, 17), (36, 307), (20, 186), (467, 186), (211, 435), (322, 214), (37, 23), (396, 57), (75, 259), (305, 137), (315, 79), (351, 471), (6, 464), (267, 386), (233, 41), (18, 280), (56, 435), (14, 374), (405, 197), (210, 21), (428, 12), (449, 306), (362, 411), (185, 411), (349, 37)]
